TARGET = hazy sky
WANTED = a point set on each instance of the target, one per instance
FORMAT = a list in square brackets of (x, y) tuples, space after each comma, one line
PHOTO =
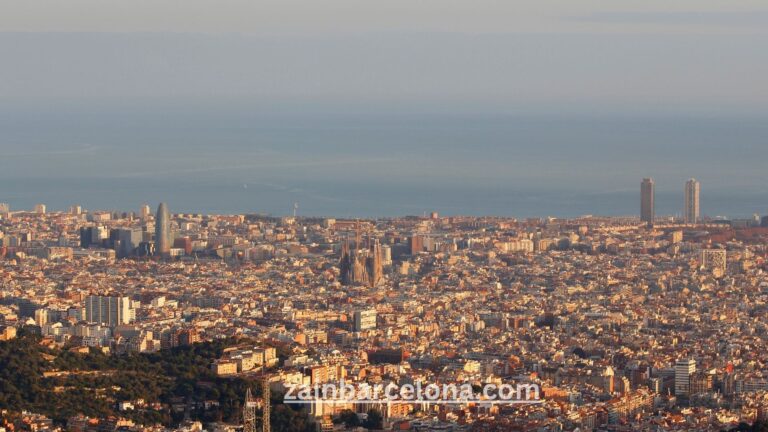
[(320, 100), (313, 17), (703, 55)]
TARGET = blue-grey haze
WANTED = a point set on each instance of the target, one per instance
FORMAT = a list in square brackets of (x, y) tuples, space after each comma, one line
[(230, 157), (384, 123)]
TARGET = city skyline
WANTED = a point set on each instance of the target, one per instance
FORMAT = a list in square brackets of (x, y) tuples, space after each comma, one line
[(617, 311), (691, 209), (383, 216)]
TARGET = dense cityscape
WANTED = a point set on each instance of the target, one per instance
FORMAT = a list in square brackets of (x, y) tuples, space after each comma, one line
[(162, 321)]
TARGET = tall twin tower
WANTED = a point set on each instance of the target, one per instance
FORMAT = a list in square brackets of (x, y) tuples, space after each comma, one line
[(691, 208)]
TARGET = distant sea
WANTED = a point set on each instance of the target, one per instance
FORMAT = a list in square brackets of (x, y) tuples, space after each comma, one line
[(352, 200), (214, 159)]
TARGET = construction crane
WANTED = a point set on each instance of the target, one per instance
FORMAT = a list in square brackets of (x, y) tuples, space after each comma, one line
[(266, 395)]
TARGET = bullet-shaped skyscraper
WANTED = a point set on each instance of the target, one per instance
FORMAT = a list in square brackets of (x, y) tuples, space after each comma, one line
[(162, 231), (647, 211), (691, 206)]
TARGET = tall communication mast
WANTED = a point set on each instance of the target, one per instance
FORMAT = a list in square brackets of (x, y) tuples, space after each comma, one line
[(249, 413)]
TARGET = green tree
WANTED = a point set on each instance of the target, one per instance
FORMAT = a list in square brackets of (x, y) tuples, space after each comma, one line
[(374, 420), (348, 418)]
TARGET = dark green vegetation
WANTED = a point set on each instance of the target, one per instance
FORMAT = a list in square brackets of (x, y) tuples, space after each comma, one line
[(93, 384), (758, 426), (350, 419)]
